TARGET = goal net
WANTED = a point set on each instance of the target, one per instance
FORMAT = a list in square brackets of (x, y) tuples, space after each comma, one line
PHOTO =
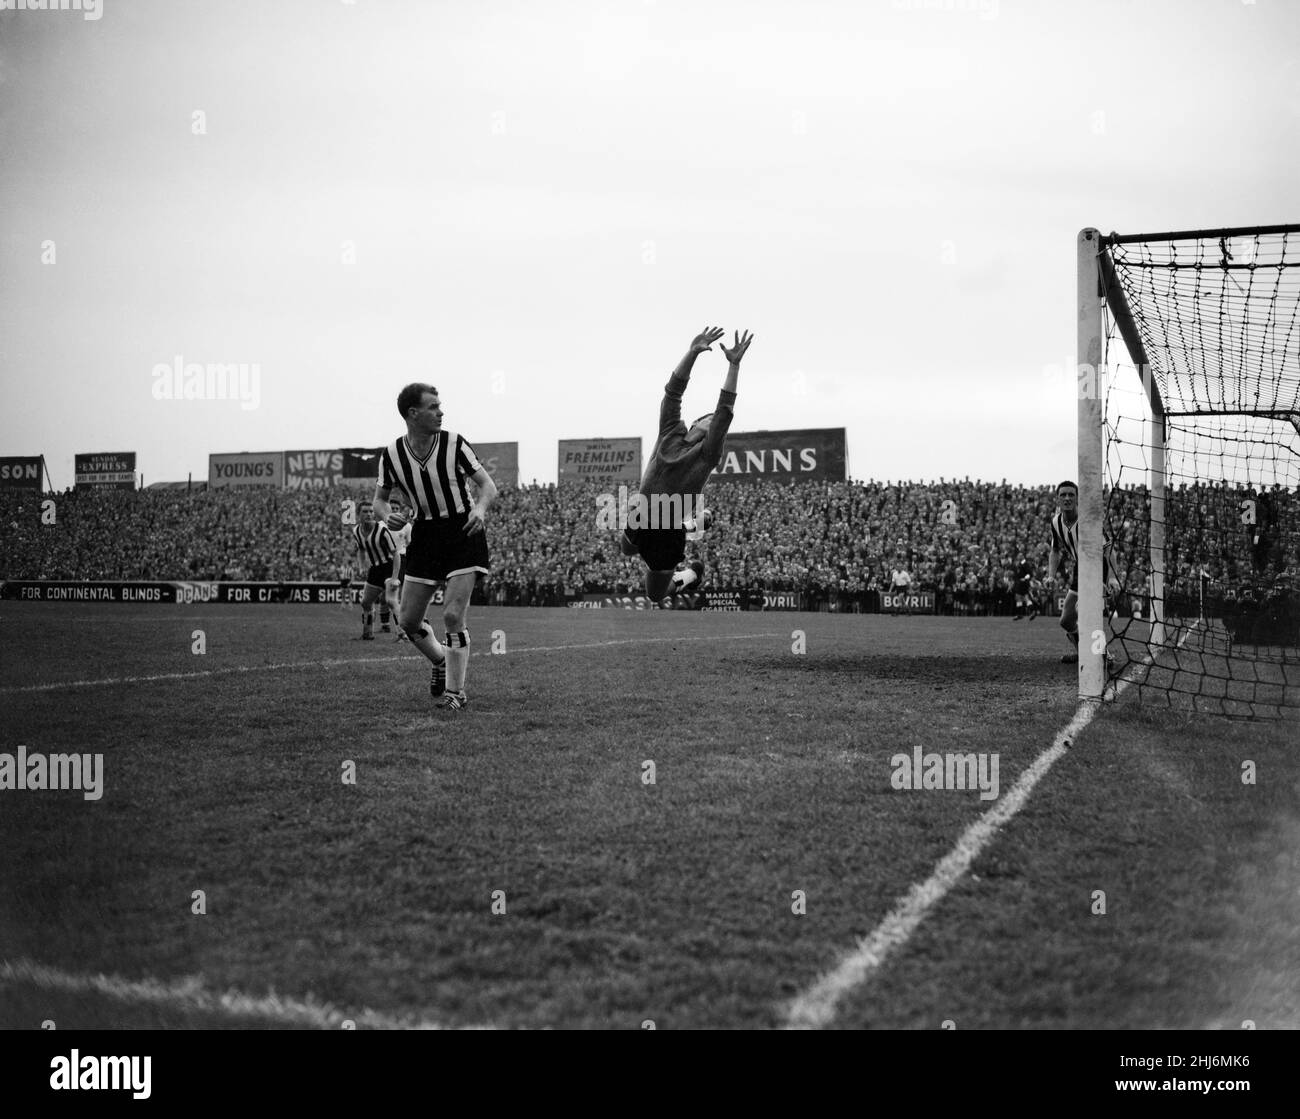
[(1198, 405)]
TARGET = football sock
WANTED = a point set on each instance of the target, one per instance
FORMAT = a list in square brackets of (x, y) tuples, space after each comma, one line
[(428, 644), (368, 618), (384, 615), (457, 660), (1074, 637)]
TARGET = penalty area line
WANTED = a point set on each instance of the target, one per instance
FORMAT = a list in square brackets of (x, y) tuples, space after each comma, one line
[(345, 661), (191, 996), (817, 1006)]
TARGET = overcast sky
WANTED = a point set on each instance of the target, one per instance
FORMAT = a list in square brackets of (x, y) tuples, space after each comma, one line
[(535, 205)]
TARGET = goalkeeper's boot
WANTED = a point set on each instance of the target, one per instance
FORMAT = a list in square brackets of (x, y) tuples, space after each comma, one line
[(438, 679), (454, 701)]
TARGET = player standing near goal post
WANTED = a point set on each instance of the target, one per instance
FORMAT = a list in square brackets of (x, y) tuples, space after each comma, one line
[(680, 464), (1065, 547), (448, 543)]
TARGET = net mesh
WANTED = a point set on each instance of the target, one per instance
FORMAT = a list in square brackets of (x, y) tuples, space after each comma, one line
[(1218, 318)]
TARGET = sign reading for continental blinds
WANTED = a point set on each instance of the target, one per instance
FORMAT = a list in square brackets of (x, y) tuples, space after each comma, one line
[(806, 455), (265, 469), (21, 473), (607, 461), (501, 460), (115, 469)]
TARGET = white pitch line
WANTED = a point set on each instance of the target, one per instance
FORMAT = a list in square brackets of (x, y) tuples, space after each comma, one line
[(190, 995), (109, 680), (817, 1006)]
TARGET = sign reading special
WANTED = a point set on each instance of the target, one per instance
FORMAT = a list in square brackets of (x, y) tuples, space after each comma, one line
[(501, 460), (806, 455), (313, 470), (264, 469), (115, 469), (21, 473), (606, 461)]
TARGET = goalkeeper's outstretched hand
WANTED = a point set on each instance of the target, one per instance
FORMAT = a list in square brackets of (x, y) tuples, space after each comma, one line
[(703, 341), (738, 349)]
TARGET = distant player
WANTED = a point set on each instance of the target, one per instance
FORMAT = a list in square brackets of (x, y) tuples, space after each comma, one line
[(1022, 588), (681, 463), (433, 469), (1065, 548), (393, 586), (375, 548)]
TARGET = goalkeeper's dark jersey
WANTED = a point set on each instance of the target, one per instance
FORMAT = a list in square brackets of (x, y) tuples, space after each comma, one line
[(678, 467)]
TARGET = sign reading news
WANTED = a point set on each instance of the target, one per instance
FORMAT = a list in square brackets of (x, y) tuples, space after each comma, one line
[(803, 455)]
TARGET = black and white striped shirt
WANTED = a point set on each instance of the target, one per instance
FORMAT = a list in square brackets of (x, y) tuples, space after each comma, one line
[(1065, 542), (435, 486), (1065, 538), (374, 543)]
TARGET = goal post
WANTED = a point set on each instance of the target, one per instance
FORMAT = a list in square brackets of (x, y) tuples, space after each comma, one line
[(1189, 466), (1091, 394)]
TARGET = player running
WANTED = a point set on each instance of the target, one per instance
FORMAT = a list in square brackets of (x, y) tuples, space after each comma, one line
[(1065, 547), (432, 468), (680, 464), (375, 548)]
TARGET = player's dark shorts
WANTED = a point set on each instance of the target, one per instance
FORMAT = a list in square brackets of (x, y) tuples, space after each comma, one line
[(379, 573), (440, 549), (661, 548), (1021, 587)]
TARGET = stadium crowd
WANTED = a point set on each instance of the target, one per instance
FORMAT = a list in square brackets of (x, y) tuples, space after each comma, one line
[(834, 543)]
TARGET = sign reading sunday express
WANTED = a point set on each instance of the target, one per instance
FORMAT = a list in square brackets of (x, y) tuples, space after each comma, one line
[(113, 469), (610, 462)]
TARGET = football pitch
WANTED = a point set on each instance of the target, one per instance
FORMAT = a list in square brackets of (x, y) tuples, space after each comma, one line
[(720, 820)]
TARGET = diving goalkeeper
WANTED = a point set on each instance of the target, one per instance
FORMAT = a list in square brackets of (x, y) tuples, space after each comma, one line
[(681, 462)]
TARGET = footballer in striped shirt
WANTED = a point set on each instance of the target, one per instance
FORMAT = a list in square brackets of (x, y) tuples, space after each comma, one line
[(376, 549), (1065, 549), (433, 468)]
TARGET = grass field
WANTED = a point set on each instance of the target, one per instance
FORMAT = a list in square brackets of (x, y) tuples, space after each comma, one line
[(626, 902)]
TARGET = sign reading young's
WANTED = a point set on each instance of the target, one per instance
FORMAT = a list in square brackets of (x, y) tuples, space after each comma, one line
[(607, 461), (113, 469), (805, 455), (265, 469)]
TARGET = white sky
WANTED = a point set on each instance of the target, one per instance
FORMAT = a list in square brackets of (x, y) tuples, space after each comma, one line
[(548, 199)]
